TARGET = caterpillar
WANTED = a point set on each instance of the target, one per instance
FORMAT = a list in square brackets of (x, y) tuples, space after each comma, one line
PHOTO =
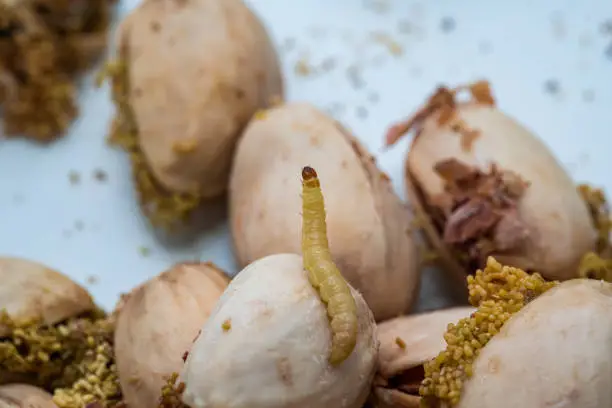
[(323, 274)]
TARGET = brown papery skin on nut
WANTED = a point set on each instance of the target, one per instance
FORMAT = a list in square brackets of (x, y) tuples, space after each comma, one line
[(158, 322), (44, 46), (478, 213), (559, 232)]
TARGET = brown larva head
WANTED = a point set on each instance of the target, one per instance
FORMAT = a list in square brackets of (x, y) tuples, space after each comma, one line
[(483, 185), (309, 173)]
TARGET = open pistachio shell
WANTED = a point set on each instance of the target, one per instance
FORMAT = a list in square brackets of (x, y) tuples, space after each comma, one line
[(407, 342), (24, 396), (156, 325), (555, 352), (525, 212), (32, 291)]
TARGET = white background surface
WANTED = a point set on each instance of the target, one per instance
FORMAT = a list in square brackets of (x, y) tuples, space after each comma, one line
[(93, 230)]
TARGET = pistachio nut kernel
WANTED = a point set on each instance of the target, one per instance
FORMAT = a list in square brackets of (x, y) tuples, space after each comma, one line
[(497, 292)]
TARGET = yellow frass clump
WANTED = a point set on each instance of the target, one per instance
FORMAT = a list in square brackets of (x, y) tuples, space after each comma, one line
[(497, 292), (592, 266), (73, 359), (164, 208), (600, 214)]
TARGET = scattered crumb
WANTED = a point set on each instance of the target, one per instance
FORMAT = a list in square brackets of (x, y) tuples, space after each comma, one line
[(302, 67), (606, 27), (588, 95), (485, 47), (317, 32), (559, 29), (552, 86), (400, 343), (18, 198), (144, 251), (378, 6), (415, 71), (585, 40), (355, 77), (92, 279), (608, 51), (100, 175), (447, 24), (393, 46), (361, 112), (227, 325), (328, 64), (288, 45), (74, 177), (79, 225)]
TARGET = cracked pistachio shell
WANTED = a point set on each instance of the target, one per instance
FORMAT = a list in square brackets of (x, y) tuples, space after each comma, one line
[(157, 323), (557, 219), (409, 341), (267, 343), (555, 352), (24, 396), (30, 290), (198, 71), (368, 226)]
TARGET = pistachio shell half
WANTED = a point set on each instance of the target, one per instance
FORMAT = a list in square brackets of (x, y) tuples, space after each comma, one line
[(156, 325), (32, 291), (407, 342)]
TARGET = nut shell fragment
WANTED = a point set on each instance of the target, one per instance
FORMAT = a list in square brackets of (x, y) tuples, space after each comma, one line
[(24, 396)]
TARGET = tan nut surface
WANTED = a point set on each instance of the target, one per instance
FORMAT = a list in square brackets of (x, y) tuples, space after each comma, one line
[(198, 71), (369, 227), (156, 325), (30, 290)]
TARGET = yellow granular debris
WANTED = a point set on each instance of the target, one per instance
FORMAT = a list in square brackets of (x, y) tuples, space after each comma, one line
[(163, 208), (592, 266), (74, 360), (171, 393), (497, 292), (600, 214), (44, 45)]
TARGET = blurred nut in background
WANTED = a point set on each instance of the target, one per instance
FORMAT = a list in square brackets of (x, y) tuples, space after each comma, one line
[(156, 325), (189, 76), (483, 184), (368, 226), (266, 343)]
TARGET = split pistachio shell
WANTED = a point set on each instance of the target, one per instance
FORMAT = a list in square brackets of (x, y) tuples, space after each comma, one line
[(156, 325), (30, 290), (555, 352), (24, 396), (559, 229), (409, 341), (198, 71), (368, 226), (267, 343)]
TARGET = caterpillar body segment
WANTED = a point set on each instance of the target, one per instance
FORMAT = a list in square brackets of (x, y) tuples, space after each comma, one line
[(323, 274)]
